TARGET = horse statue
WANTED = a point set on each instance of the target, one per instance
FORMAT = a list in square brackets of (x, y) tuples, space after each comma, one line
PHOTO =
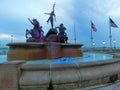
[(36, 34)]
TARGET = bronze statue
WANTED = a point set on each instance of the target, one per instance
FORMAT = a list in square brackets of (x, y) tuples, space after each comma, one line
[(62, 35), (52, 17), (36, 33)]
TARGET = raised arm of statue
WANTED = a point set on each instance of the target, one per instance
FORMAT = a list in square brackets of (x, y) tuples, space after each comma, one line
[(30, 21), (53, 7), (53, 11), (47, 13)]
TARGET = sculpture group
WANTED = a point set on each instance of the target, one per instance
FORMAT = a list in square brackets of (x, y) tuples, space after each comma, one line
[(55, 34)]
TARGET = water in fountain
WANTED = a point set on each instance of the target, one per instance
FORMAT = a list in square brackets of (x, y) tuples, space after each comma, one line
[(87, 57)]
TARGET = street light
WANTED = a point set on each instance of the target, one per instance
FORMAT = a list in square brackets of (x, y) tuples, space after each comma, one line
[(11, 38), (114, 42), (93, 44), (103, 44)]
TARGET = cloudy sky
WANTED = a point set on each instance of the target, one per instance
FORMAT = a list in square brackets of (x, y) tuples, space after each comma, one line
[(14, 14)]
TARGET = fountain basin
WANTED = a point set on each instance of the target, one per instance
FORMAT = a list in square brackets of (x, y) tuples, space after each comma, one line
[(69, 76), (18, 75), (37, 50), (64, 76)]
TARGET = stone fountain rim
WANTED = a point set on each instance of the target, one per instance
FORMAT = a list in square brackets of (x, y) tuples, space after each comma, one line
[(42, 43), (70, 65)]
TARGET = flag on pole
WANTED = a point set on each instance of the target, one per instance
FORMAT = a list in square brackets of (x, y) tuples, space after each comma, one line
[(93, 27), (112, 23)]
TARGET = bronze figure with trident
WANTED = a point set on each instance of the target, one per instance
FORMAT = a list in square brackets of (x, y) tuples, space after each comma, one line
[(52, 17)]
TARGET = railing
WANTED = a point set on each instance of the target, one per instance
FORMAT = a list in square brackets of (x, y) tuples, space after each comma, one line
[(101, 49)]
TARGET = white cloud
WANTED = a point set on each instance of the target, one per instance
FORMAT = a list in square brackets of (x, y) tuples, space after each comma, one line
[(104, 8), (30, 8), (5, 36), (24, 8), (12, 38), (115, 12)]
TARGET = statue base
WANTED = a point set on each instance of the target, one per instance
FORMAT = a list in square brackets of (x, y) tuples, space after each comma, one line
[(37, 50)]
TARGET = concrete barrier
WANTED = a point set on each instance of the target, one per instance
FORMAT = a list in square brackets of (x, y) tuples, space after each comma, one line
[(10, 75), (69, 76), (18, 75)]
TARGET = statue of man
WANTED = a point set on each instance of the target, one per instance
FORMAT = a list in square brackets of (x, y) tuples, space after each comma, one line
[(37, 31), (62, 29), (52, 17), (62, 36), (35, 23)]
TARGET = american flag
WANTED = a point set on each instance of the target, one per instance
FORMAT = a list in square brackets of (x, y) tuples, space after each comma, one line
[(112, 23), (93, 27)]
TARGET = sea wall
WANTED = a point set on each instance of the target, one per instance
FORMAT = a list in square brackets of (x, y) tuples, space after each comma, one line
[(18, 75)]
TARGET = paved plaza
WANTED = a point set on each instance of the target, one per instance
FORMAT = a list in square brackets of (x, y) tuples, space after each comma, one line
[(109, 86)]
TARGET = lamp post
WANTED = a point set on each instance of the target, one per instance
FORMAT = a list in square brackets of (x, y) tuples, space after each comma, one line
[(103, 44), (93, 44), (11, 38), (0, 45), (114, 42)]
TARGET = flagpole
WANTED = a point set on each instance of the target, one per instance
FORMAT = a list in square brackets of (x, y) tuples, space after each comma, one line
[(111, 24), (91, 37), (74, 33), (110, 35)]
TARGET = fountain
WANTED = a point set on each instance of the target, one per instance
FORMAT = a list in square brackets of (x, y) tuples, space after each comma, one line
[(53, 45), (18, 74)]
